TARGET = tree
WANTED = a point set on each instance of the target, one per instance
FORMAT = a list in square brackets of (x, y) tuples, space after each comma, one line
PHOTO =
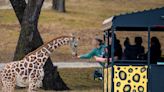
[(30, 39), (58, 5)]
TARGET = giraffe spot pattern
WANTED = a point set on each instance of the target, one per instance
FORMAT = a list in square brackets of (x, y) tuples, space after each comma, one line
[(25, 64), (136, 81), (122, 75), (17, 69), (30, 65), (140, 89), (136, 78), (127, 88)]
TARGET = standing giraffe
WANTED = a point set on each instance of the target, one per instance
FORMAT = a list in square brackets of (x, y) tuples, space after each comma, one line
[(29, 70)]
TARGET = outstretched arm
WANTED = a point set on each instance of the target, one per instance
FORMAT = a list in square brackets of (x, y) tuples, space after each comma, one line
[(88, 55), (100, 59)]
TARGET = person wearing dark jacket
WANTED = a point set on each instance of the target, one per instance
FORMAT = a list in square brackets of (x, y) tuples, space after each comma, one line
[(134, 52), (155, 50)]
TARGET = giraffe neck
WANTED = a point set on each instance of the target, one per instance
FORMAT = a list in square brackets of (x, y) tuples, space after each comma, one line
[(54, 44), (41, 54)]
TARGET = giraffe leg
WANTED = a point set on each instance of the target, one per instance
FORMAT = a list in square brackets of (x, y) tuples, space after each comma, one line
[(35, 80), (3, 89), (8, 87), (1, 78), (8, 83), (4, 85), (33, 85), (1, 85)]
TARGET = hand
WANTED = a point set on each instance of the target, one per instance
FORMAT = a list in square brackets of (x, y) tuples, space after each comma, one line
[(76, 57)]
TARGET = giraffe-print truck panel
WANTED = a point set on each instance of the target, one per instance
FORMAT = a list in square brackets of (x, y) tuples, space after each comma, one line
[(130, 78)]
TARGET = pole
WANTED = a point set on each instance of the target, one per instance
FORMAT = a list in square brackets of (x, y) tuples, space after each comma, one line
[(112, 56), (104, 37), (148, 57), (108, 60), (148, 60)]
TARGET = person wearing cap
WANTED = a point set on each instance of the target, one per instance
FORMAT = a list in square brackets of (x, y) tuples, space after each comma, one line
[(97, 51), (117, 50)]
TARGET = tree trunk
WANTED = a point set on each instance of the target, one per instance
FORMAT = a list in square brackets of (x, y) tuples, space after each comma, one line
[(54, 4), (30, 39), (59, 5)]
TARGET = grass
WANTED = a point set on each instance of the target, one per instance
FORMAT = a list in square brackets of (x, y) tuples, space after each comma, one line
[(83, 17), (40, 90), (78, 80)]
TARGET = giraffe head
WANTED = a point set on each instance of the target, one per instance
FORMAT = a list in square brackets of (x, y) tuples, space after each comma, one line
[(74, 44)]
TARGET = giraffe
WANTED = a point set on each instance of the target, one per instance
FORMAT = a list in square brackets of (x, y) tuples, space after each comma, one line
[(29, 71)]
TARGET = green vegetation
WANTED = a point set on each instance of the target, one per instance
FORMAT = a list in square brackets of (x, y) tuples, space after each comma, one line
[(83, 16), (80, 79)]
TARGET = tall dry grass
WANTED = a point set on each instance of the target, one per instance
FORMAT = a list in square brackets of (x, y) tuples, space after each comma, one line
[(84, 17)]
